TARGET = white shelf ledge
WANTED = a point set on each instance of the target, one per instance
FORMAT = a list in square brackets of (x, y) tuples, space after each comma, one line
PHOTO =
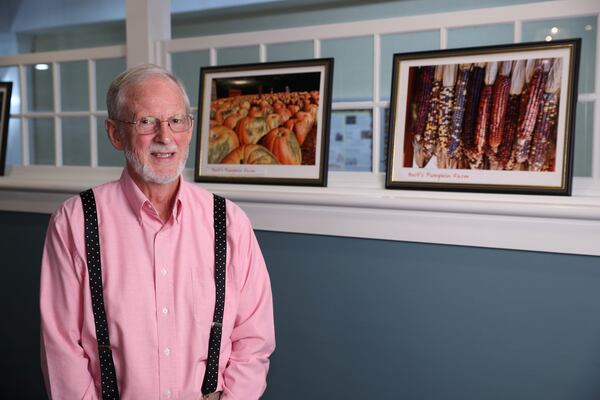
[(525, 222)]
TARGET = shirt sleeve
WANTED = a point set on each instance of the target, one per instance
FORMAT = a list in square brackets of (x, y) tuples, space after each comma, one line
[(253, 336), (64, 363)]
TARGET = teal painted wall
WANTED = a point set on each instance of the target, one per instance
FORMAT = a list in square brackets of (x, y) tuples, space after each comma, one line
[(21, 241), (359, 318)]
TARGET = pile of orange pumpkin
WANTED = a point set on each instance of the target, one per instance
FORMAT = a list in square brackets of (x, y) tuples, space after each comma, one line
[(261, 128)]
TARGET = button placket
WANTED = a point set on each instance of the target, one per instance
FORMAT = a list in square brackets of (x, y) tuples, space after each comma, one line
[(165, 308)]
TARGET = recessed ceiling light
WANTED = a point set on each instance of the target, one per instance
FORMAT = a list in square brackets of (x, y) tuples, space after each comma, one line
[(41, 67), (554, 30), (588, 27), (548, 38)]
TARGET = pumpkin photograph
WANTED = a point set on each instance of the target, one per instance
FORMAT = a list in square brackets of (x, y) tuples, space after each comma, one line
[(274, 122), (253, 107)]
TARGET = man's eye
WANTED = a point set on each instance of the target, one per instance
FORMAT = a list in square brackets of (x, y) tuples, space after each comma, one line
[(147, 121), (176, 120)]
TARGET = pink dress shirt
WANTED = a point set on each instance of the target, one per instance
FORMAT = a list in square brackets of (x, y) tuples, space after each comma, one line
[(159, 295)]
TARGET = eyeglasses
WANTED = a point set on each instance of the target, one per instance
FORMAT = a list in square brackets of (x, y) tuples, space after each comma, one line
[(151, 125)]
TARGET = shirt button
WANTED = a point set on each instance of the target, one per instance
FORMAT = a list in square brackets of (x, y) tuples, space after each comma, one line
[(165, 310), (167, 394), (163, 271), (167, 352)]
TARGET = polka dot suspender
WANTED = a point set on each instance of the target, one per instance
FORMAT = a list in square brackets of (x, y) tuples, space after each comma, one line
[(110, 391), (211, 376), (92, 248)]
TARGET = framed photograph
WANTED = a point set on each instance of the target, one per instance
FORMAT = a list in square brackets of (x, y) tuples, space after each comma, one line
[(5, 93), (486, 119), (265, 123)]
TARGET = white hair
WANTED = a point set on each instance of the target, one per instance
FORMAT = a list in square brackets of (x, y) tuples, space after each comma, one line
[(116, 95)]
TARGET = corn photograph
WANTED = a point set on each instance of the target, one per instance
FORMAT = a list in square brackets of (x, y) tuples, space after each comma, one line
[(499, 115), (270, 119)]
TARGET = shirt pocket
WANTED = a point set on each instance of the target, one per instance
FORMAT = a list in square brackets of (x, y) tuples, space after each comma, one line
[(203, 297)]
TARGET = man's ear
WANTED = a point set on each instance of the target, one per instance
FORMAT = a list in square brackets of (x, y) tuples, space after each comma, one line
[(114, 136)]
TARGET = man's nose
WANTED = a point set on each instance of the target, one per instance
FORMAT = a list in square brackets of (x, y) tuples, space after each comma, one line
[(163, 132)]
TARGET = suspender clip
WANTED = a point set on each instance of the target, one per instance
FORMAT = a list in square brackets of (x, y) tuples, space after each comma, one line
[(216, 325)]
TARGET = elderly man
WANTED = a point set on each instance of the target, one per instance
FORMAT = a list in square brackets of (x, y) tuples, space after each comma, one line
[(151, 287)]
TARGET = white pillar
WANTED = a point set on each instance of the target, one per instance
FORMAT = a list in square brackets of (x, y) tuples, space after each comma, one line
[(147, 22)]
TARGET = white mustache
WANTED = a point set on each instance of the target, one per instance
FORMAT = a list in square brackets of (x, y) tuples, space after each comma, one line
[(162, 148)]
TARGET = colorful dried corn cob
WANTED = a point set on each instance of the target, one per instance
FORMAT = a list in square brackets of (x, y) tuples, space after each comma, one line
[(423, 100), (458, 111), (511, 120), (531, 66), (530, 110), (546, 121), (431, 128), (477, 152), (499, 104), (474, 88), (423, 97), (445, 117)]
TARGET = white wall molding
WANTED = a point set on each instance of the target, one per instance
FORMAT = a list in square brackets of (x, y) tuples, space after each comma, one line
[(547, 234), (561, 224)]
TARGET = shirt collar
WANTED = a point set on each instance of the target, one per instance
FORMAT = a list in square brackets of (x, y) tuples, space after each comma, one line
[(178, 203), (137, 199)]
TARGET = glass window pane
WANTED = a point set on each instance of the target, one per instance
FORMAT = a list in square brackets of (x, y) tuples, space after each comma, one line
[(480, 35), (108, 156), (39, 87), (351, 140), (186, 66), (238, 55), (11, 74), (41, 141), (290, 51), (106, 71), (584, 139), (582, 27), (9, 42), (13, 146), (74, 86), (402, 43), (76, 141), (192, 149), (353, 67)]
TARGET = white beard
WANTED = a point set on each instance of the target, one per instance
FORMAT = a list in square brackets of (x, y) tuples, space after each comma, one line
[(146, 173)]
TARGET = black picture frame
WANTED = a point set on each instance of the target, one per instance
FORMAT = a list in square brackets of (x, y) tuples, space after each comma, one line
[(5, 95), (485, 119), (264, 123)]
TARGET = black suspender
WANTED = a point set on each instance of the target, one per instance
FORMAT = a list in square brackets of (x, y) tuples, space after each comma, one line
[(110, 389), (108, 376), (211, 376)]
